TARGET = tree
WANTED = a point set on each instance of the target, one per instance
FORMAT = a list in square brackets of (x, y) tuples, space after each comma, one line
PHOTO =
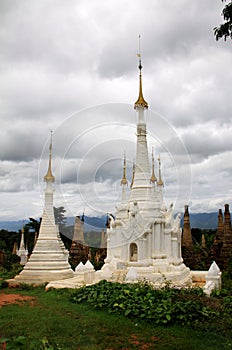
[(60, 218), (33, 225), (225, 29)]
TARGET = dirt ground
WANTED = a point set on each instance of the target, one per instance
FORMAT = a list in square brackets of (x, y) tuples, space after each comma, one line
[(7, 299)]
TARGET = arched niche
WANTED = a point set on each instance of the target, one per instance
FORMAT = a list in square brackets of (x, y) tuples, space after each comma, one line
[(133, 252)]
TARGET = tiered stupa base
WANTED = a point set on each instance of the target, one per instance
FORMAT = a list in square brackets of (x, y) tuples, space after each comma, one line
[(159, 272), (41, 271)]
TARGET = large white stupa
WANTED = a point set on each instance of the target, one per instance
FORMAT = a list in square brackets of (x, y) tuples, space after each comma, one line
[(144, 239)]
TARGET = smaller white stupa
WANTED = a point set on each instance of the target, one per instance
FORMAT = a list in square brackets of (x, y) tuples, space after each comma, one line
[(22, 252), (49, 259)]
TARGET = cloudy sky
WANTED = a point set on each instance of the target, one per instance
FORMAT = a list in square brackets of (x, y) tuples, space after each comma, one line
[(71, 67)]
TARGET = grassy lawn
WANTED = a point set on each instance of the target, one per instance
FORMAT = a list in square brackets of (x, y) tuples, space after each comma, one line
[(65, 325)]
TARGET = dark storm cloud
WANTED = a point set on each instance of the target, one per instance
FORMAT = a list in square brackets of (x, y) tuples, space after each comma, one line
[(20, 141)]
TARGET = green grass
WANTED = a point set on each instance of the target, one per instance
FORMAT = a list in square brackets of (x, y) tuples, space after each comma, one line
[(66, 326)]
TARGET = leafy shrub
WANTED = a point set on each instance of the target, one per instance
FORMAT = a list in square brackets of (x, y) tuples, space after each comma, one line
[(227, 280), (25, 286), (219, 293), (227, 303), (162, 306), (3, 284)]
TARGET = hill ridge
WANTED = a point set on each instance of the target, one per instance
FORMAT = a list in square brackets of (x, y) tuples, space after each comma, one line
[(97, 223)]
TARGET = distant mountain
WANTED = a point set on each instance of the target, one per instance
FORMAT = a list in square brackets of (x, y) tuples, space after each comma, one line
[(199, 220), (204, 220), (91, 224), (12, 225)]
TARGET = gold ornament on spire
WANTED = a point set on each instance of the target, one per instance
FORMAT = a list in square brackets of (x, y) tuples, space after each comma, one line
[(140, 101), (49, 176), (153, 178), (160, 182), (124, 179)]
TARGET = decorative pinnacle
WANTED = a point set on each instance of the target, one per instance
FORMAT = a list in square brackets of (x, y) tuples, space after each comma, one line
[(140, 101), (186, 212), (133, 175), (124, 179), (160, 182), (153, 177), (49, 176)]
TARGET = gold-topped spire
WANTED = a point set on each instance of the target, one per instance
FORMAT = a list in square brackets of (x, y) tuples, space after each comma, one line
[(140, 101), (153, 177), (49, 176), (124, 179), (160, 182)]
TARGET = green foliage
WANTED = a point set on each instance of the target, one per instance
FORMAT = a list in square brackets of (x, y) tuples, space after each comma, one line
[(31, 230), (162, 306), (7, 239), (11, 261), (8, 274), (25, 286), (93, 238), (209, 238), (225, 29), (22, 343), (66, 232), (196, 234), (219, 293), (33, 225), (52, 322), (227, 278), (59, 214), (227, 303), (3, 284)]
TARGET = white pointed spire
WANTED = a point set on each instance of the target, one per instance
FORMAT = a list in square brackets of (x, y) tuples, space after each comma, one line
[(140, 101), (49, 176), (141, 182), (160, 181), (153, 178), (124, 179)]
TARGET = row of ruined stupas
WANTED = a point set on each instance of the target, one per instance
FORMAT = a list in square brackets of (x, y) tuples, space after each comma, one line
[(143, 237), (221, 249)]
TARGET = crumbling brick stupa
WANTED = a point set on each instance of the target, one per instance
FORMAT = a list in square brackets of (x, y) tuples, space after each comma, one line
[(221, 250)]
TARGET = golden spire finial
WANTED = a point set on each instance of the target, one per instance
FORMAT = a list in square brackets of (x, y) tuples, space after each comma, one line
[(160, 182), (124, 179), (49, 176), (140, 101), (133, 175), (153, 177)]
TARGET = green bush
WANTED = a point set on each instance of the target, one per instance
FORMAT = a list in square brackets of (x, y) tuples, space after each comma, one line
[(162, 306)]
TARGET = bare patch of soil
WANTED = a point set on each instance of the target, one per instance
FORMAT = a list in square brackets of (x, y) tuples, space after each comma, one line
[(7, 299)]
